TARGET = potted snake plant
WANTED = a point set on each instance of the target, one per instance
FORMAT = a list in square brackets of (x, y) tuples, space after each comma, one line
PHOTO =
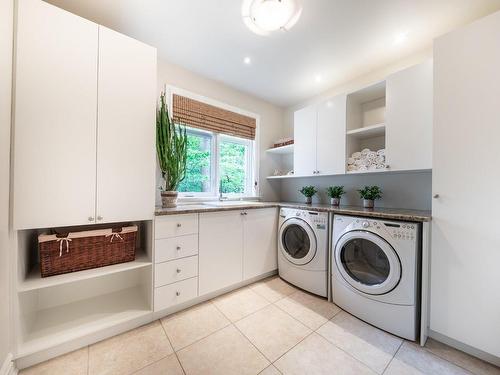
[(369, 194), (335, 193), (308, 192), (171, 149)]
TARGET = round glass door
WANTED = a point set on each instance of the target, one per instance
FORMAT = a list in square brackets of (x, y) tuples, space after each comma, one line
[(298, 243), (367, 262)]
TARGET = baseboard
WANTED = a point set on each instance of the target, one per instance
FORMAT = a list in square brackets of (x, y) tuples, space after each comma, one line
[(8, 366), (465, 348)]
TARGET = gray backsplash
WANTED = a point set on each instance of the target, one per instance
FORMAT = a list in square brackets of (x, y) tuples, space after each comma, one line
[(410, 190)]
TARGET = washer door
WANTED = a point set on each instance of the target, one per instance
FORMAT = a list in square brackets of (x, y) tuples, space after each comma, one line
[(367, 262), (298, 242)]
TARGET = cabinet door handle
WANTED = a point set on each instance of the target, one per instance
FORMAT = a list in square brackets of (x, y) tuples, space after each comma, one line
[(435, 196), (177, 294), (90, 218), (178, 248), (178, 270), (99, 217), (179, 225)]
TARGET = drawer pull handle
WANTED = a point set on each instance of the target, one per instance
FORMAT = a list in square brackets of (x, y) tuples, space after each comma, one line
[(179, 225), (90, 218), (178, 270), (178, 248), (177, 294)]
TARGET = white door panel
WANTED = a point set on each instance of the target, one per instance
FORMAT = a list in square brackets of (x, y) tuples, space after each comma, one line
[(304, 153)]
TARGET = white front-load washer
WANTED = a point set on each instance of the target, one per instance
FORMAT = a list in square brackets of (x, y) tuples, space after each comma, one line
[(375, 266), (303, 249)]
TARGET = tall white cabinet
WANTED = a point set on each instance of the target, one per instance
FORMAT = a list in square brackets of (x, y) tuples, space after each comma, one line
[(465, 303), (408, 118), (319, 132), (55, 117), (84, 121)]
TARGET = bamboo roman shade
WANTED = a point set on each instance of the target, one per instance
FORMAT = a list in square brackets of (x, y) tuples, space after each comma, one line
[(204, 116)]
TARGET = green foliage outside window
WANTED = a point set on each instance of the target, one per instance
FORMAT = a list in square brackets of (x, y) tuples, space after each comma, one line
[(232, 167)]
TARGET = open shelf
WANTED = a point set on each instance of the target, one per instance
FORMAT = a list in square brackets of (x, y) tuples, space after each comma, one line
[(56, 325), (377, 130), (35, 281), (283, 150)]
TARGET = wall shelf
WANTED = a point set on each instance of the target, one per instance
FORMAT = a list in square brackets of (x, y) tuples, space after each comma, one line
[(283, 150), (35, 281), (368, 131), (385, 171)]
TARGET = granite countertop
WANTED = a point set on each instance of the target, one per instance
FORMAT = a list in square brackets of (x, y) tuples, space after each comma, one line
[(383, 213)]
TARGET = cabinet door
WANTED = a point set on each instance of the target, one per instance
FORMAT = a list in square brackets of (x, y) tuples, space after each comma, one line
[(465, 242), (260, 227), (409, 102), (126, 128), (55, 117), (330, 149), (304, 155), (220, 251)]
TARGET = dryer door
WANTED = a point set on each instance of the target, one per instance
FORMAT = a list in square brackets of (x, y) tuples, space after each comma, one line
[(367, 262), (297, 241)]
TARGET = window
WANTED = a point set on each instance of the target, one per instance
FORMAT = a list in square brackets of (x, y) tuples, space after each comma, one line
[(218, 163)]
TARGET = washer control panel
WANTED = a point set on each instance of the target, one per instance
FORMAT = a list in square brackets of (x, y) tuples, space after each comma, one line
[(399, 231), (318, 220)]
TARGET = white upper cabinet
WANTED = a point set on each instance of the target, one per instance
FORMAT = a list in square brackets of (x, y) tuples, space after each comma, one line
[(409, 102), (126, 128), (330, 145), (319, 137), (84, 121), (304, 156), (55, 117), (260, 229)]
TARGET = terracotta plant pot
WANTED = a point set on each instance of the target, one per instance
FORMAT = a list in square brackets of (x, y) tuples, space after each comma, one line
[(169, 199), (368, 203), (309, 200), (335, 201)]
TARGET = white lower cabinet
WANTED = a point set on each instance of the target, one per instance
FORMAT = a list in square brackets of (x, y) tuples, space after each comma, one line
[(176, 247), (176, 270), (221, 250), (260, 236), (173, 294)]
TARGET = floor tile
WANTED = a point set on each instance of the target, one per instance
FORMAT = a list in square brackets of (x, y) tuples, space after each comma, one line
[(74, 363), (311, 310), (273, 289), (166, 366), (411, 359), (240, 303), (271, 370), (272, 331), (316, 356), (224, 352), (130, 351), (193, 324), (372, 346), (473, 364)]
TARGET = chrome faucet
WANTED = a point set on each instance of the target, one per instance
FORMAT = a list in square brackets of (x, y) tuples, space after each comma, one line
[(221, 198)]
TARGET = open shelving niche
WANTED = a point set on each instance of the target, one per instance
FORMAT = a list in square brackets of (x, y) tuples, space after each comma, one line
[(58, 309), (365, 123)]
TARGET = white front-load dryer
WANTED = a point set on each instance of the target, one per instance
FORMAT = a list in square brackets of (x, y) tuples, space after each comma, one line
[(303, 249), (375, 266)]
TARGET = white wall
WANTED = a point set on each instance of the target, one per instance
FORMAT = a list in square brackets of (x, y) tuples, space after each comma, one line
[(6, 31), (271, 116)]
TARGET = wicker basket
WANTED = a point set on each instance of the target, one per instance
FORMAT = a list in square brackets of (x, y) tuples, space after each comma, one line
[(76, 251)]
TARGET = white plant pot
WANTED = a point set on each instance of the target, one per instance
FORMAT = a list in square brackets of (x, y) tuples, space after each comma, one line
[(335, 201), (309, 200), (368, 203), (169, 199)]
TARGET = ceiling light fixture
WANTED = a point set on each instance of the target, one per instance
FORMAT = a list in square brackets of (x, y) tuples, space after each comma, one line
[(266, 16), (318, 78), (400, 38), (247, 60)]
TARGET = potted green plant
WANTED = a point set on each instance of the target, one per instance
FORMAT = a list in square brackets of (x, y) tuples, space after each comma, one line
[(171, 148), (369, 194), (335, 193), (308, 192)]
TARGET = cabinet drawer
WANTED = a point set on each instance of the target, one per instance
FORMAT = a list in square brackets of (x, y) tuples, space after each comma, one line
[(175, 270), (173, 294), (176, 247), (175, 225)]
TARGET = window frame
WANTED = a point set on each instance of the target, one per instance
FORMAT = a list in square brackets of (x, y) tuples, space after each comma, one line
[(252, 185)]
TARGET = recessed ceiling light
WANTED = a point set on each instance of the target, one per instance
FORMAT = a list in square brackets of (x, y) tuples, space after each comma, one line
[(318, 78), (400, 38), (265, 16), (247, 60)]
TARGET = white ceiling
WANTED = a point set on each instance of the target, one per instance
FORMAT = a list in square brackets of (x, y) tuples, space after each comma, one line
[(336, 39)]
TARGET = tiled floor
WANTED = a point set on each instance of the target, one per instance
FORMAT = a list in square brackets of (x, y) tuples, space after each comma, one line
[(268, 328)]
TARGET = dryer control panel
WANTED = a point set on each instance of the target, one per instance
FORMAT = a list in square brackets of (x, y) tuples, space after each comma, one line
[(400, 231)]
